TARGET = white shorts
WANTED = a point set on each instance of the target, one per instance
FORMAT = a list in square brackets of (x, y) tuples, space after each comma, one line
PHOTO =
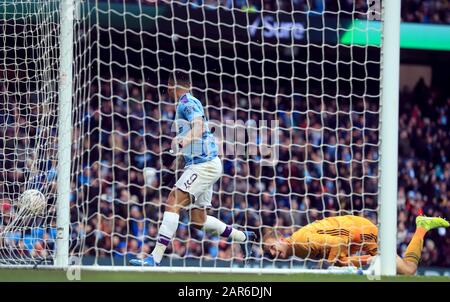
[(198, 181)]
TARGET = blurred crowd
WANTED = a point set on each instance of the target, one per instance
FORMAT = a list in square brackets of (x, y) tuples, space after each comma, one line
[(327, 160), (424, 168), (252, 6), (426, 11), (315, 6), (327, 165), (421, 11)]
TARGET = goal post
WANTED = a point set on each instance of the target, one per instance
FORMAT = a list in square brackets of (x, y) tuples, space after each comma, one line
[(390, 79), (299, 66), (64, 131)]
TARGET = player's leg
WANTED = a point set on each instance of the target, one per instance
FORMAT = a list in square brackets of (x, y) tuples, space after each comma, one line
[(408, 265), (179, 197), (209, 223), (200, 219), (176, 200), (210, 173)]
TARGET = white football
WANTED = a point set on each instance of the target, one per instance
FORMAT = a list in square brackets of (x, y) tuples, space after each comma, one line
[(32, 201)]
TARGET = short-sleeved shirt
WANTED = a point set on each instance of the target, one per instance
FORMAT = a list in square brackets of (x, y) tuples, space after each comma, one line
[(198, 151)]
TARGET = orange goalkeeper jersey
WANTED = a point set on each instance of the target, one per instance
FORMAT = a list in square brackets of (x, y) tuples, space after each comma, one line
[(336, 239)]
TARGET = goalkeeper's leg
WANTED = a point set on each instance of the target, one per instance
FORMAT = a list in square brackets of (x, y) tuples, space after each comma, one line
[(408, 265)]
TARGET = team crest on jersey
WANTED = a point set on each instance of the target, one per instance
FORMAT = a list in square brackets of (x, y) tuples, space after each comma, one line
[(184, 100)]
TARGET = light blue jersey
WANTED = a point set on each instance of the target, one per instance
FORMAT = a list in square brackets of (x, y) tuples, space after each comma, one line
[(204, 149)]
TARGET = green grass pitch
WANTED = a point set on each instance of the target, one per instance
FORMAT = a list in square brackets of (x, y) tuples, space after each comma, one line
[(43, 275)]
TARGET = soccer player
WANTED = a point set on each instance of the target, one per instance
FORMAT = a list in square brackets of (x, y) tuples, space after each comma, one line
[(338, 239), (202, 168)]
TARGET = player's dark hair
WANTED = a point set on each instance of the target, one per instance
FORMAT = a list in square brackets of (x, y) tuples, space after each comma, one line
[(181, 78)]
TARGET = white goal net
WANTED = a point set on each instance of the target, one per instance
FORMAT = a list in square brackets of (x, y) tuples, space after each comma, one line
[(292, 88), (28, 127)]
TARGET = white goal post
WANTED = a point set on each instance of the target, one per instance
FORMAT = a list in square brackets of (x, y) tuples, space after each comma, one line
[(64, 132), (389, 136), (86, 115)]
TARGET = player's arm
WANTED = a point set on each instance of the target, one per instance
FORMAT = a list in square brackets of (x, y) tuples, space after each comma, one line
[(338, 248), (370, 249), (172, 162), (335, 245), (195, 133), (355, 260), (193, 115), (179, 163)]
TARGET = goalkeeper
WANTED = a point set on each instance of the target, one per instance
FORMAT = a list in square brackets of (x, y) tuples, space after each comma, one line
[(202, 169), (339, 239)]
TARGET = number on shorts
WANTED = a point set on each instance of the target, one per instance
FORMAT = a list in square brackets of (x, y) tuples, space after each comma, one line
[(191, 179)]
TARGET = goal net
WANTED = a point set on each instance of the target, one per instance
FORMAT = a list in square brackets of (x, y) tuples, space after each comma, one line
[(28, 124), (292, 88)]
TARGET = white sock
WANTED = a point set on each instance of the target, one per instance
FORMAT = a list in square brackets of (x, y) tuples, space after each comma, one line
[(214, 224), (167, 229)]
